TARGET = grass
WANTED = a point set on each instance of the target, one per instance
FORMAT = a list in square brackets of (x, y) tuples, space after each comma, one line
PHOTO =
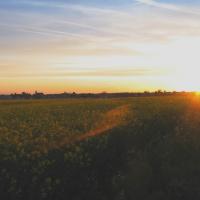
[(130, 148)]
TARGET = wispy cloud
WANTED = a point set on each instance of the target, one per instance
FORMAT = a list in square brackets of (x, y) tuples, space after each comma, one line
[(41, 31), (80, 7), (159, 5), (85, 73), (168, 6)]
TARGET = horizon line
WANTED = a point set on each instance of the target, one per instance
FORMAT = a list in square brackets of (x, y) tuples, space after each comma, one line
[(103, 92)]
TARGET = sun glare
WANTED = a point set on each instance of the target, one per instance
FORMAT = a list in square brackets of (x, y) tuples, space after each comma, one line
[(197, 94)]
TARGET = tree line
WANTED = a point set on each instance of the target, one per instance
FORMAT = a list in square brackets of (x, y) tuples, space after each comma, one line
[(41, 95)]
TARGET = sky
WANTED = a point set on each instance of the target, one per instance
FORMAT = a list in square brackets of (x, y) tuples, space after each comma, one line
[(99, 45)]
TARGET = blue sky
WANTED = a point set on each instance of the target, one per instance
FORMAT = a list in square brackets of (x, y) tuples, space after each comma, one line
[(110, 45)]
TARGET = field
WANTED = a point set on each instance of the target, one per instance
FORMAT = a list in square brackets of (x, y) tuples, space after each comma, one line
[(143, 148)]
